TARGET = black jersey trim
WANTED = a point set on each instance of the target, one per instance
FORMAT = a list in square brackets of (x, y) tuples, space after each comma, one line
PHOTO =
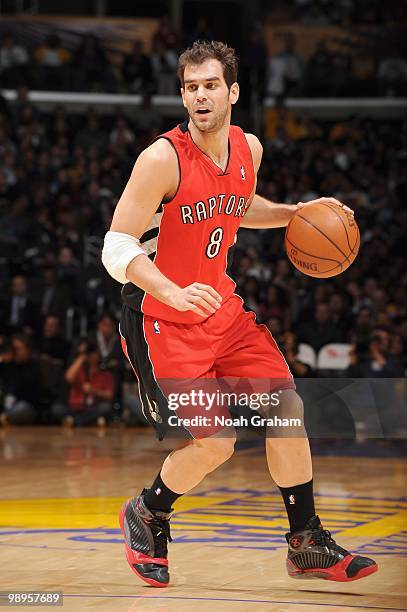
[(152, 233)]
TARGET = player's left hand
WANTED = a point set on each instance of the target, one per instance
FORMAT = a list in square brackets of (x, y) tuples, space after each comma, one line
[(328, 201)]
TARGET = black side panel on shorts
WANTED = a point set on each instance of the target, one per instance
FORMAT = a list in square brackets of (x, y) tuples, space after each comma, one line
[(155, 405), (132, 295)]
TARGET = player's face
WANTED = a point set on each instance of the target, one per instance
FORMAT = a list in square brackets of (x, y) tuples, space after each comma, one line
[(206, 96)]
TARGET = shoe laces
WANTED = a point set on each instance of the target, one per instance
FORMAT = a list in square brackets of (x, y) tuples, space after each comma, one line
[(323, 537), (161, 531)]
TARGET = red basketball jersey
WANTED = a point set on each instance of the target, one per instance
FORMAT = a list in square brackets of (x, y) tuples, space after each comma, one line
[(190, 236)]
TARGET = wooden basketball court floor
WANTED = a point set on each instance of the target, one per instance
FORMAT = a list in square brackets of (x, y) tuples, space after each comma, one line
[(61, 490)]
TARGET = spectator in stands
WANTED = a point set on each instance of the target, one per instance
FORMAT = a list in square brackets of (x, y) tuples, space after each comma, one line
[(14, 63), (147, 120), (53, 347), (290, 349), (279, 119), (15, 225), (375, 360), (319, 71), (392, 74), (137, 70), (340, 76), (339, 311), (108, 342), (93, 71), (251, 294), (53, 352), (320, 330), (363, 71), (254, 67), (276, 71), (121, 134), (294, 67), (164, 62), (53, 65), (68, 266), (19, 313), (92, 135), (398, 349), (20, 382), (275, 325), (91, 390), (202, 31), (166, 36), (276, 305), (282, 272), (363, 326)]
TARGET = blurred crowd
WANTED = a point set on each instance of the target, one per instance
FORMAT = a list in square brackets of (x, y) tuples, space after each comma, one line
[(357, 65), (346, 12), (60, 177)]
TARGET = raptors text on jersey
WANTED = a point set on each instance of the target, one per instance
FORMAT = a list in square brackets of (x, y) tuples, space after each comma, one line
[(190, 236)]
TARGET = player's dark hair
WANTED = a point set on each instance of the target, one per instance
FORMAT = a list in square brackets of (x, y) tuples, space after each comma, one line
[(203, 50)]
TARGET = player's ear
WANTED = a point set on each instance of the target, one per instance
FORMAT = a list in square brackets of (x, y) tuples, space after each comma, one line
[(234, 93), (183, 96)]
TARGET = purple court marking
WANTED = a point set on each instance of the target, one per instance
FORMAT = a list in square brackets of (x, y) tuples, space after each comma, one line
[(262, 493), (245, 504), (45, 546), (272, 601)]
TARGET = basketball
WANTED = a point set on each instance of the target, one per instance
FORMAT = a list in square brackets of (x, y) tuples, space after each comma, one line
[(322, 240)]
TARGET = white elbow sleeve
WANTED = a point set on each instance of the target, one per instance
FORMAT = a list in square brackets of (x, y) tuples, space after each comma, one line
[(118, 251)]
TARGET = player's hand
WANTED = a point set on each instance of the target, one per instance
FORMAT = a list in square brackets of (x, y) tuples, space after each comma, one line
[(201, 299), (327, 201)]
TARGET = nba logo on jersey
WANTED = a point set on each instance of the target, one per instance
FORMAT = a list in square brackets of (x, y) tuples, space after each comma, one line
[(292, 499), (156, 327), (243, 173)]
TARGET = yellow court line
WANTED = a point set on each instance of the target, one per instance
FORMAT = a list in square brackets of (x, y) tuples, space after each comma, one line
[(77, 513), (94, 512), (380, 528)]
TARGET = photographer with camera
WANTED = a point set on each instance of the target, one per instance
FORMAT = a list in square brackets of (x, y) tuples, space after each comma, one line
[(91, 389)]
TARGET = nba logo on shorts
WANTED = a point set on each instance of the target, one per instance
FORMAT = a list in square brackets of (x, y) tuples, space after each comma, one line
[(292, 499), (156, 327), (243, 173)]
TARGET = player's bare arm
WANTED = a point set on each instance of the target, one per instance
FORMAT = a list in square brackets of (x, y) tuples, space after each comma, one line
[(264, 214), (154, 179)]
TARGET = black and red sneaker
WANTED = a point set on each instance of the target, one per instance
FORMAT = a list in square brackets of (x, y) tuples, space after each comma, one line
[(312, 553), (146, 534)]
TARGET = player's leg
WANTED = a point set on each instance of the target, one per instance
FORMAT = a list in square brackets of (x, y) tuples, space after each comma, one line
[(187, 465), (145, 519), (311, 550)]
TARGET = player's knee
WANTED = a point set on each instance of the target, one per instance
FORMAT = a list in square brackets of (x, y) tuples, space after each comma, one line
[(291, 405), (217, 450), (287, 418)]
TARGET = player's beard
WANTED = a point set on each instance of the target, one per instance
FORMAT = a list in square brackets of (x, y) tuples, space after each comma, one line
[(216, 121)]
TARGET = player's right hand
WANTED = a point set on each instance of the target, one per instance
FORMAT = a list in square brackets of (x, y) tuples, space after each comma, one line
[(201, 299)]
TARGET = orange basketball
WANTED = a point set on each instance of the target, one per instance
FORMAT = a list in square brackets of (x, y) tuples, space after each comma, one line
[(322, 240)]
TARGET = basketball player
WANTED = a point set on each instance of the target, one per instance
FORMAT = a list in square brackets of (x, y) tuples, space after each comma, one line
[(187, 196)]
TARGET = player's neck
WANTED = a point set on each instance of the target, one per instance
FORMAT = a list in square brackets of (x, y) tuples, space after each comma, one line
[(214, 144)]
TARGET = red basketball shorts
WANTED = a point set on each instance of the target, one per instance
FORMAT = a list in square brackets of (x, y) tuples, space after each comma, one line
[(173, 360)]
